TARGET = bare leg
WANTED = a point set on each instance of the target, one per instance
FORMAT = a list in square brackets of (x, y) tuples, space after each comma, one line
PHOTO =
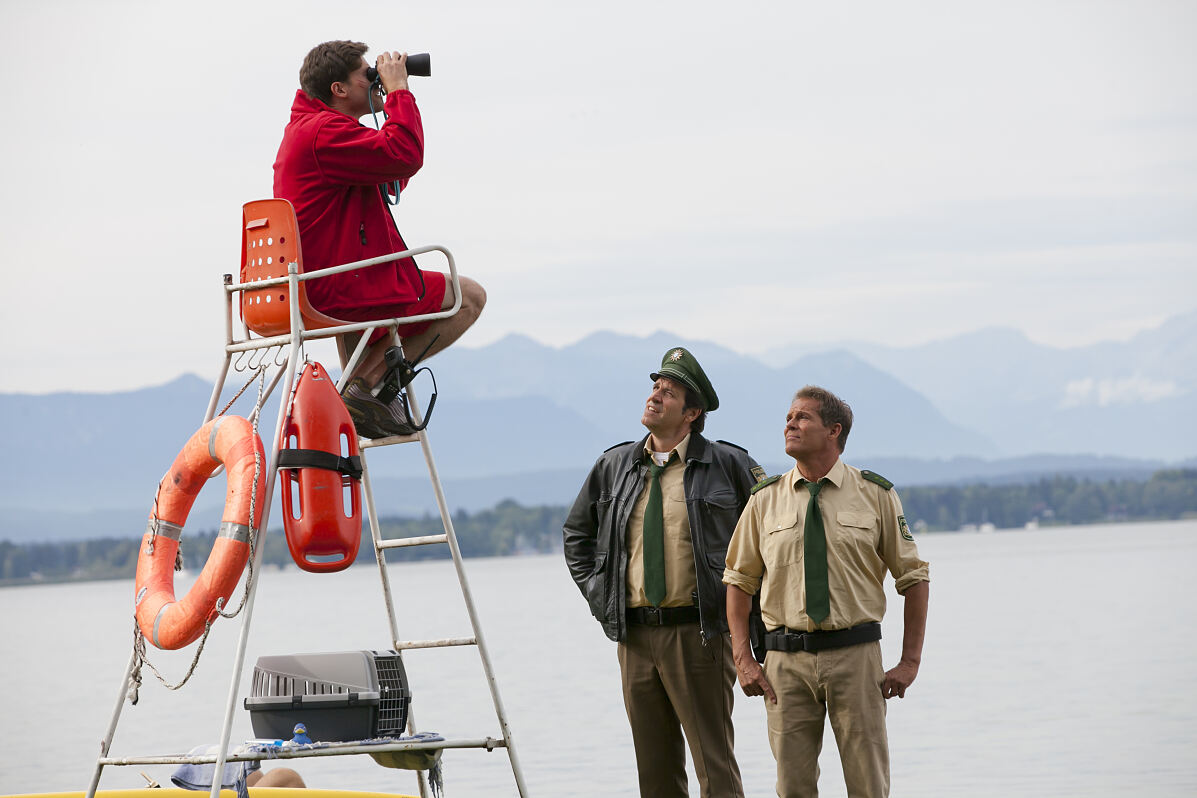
[(373, 365), (473, 299), (279, 777)]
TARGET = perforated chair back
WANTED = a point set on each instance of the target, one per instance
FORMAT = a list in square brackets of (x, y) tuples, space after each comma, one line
[(269, 241)]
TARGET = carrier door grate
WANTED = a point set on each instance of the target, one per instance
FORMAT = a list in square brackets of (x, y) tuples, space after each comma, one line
[(394, 695)]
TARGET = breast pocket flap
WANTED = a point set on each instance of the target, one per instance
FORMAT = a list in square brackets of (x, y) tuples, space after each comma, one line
[(857, 519)]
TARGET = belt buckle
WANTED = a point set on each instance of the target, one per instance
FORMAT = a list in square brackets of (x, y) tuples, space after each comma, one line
[(653, 616)]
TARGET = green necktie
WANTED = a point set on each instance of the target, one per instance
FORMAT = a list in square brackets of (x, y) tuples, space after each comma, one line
[(814, 553), (654, 538)]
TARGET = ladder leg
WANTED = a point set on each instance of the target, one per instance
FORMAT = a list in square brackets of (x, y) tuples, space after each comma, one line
[(226, 731), (106, 743), (388, 596), (483, 652)]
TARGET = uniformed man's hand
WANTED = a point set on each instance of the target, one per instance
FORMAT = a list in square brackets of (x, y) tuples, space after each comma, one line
[(898, 678), (392, 70), (752, 678)]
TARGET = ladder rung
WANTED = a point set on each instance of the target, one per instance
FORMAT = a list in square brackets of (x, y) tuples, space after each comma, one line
[(444, 642), (367, 443), (396, 543)]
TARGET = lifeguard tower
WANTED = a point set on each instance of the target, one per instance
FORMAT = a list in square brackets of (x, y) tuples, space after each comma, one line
[(276, 321)]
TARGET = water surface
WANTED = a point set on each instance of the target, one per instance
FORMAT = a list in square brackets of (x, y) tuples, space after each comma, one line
[(1058, 662)]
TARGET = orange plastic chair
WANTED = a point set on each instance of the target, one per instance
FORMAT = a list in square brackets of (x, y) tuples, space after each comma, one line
[(269, 241)]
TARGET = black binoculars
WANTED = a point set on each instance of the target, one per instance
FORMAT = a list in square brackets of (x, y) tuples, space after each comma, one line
[(418, 64)]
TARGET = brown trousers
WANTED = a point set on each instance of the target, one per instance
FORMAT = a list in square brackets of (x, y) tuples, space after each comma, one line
[(673, 683), (845, 685)]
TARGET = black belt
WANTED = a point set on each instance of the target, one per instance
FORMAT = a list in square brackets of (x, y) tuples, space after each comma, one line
[(662, 616), (784, 639)]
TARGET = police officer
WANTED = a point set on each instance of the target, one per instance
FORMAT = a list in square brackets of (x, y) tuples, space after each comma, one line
[(816, 542), (646, 541)]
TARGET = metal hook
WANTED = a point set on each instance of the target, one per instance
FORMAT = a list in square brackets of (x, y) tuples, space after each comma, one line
[(255, 359), (281, 356), (238, 363)]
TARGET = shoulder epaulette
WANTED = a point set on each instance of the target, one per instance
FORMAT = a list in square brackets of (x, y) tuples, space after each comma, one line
[(766, 482), (616, 446), (733, 445), (877, 479)]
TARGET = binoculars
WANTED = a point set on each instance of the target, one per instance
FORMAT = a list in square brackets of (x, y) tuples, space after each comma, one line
[(418, 64)]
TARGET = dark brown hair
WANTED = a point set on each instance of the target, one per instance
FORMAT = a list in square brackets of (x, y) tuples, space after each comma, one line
[(693, 400), (832, 410), (329, 63)]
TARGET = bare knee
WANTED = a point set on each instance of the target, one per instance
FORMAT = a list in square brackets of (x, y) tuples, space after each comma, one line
[(473, 298), (278, 777)]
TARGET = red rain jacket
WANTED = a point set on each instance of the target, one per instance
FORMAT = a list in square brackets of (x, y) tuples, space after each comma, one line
[(330, 167)]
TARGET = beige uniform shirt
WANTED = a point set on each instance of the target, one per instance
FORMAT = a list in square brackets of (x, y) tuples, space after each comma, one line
[(680, 581), (866, 535)]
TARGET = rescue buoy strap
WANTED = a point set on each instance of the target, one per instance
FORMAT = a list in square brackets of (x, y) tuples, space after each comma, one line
[(234, 531), (165, 529), (212, 438), (317, 458)]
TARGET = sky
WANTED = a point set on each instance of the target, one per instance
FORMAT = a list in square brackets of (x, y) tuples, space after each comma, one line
[(754, 174)]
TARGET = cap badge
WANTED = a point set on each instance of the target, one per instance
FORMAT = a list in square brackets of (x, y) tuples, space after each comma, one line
[(675, 355)]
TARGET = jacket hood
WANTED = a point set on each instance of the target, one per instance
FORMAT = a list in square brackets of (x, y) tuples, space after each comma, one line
[(305, 105)]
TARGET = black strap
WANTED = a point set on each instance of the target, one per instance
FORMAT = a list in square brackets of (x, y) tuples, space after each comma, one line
[(787, 640), (662, 616), (317, 458), (399, 374)]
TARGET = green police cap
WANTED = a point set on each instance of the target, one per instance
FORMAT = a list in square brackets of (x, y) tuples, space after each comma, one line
[(680, 365)]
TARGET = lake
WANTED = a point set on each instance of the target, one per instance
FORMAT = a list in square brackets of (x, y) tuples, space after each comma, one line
[(1056, 664)]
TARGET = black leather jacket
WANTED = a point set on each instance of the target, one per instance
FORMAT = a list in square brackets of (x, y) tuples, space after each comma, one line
[(718, 481)]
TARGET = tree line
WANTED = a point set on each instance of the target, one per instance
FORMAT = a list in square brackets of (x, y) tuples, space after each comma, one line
[(510, 529)]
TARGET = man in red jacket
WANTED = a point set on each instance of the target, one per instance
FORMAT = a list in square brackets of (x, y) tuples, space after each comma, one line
[(338, 173)]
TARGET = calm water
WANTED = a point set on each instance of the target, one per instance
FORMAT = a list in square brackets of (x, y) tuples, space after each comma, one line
[(1058, 663)]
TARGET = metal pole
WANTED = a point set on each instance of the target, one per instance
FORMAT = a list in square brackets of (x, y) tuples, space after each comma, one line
[(226, 731), (483, 652), (106, 743)]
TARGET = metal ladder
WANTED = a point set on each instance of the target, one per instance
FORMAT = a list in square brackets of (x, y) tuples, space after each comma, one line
[(292, 342)]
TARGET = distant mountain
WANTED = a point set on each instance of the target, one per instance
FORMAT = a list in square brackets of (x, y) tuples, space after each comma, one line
[(521, 420), (1134, 399), (604, 379)]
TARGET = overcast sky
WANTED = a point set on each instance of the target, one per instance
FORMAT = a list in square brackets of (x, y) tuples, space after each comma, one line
[(756, 174)]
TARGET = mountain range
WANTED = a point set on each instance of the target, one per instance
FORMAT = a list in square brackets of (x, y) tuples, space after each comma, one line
[(518, 419)]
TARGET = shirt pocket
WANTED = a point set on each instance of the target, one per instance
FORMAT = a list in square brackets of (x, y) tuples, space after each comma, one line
[(858, 526), (781, 543)]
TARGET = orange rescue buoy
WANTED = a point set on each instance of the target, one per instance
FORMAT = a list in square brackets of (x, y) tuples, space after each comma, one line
[(169, 623), (320, 472)]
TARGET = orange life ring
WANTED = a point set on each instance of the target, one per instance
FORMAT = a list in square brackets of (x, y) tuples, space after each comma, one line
[(169, 623)]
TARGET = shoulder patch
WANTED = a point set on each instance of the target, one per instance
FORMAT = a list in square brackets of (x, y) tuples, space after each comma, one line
[(764, 483), (878, 479), (758, 472), (616, 446), (733, 445)]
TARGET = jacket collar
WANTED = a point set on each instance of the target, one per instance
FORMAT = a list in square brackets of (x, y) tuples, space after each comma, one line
[(698, 449)]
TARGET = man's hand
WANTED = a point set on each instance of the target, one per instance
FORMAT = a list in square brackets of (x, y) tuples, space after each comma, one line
[(898, 678), (392, 70), (914, 623), (752, 678)]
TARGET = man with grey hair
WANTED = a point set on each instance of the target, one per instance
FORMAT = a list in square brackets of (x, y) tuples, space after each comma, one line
[(816, 542)]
